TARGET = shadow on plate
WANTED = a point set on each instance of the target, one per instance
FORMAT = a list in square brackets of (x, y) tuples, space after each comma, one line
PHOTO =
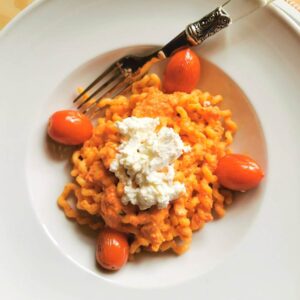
[(56, 151)]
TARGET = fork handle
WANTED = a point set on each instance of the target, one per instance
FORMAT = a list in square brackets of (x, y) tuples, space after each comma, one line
[(195, 33)]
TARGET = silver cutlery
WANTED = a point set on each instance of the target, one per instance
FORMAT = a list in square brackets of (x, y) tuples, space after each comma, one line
[(124, 72)]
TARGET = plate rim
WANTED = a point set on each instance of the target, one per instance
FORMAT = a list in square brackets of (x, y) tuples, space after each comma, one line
[(276, 7), (39, 2)]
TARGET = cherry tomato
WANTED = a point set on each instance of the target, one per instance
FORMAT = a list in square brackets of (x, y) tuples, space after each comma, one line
[(182, 72), (238, 172), (69, 127), (112, 249)]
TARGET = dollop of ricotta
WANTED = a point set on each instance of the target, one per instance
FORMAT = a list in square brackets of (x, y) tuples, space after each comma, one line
[(145, 162)]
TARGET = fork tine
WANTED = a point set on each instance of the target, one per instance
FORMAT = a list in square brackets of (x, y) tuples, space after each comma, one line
[(118, 83), (119, 88), (122, 88), (117, 75), (116, 87), (108, 70)]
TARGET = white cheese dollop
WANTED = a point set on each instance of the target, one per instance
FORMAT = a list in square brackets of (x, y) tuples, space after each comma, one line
[(144, 163)]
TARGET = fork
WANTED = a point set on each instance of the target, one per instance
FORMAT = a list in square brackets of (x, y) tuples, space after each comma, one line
[(119, 77)]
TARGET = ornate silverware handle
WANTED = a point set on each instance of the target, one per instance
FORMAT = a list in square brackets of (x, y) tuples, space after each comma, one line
[(195, 33), (220, 18), (199, 31)]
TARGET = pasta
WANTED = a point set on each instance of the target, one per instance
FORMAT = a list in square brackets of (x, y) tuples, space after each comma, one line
[(200, 122)]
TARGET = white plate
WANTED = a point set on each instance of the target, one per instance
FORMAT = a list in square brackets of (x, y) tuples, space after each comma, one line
[(252, 253), (293, 11)]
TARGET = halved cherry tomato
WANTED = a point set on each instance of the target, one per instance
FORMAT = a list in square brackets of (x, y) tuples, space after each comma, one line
[(69, 127), (112, 249), (238, 172), (182, 72)]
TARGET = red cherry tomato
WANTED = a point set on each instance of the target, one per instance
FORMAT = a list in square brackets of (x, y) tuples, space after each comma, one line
[(112, 249), (69, 127), (182, 72), (238, 172)]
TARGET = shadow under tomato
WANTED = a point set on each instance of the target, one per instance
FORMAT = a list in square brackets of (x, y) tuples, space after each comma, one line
[(144, 255), (241, 199), (58, 151), (140, 258)]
